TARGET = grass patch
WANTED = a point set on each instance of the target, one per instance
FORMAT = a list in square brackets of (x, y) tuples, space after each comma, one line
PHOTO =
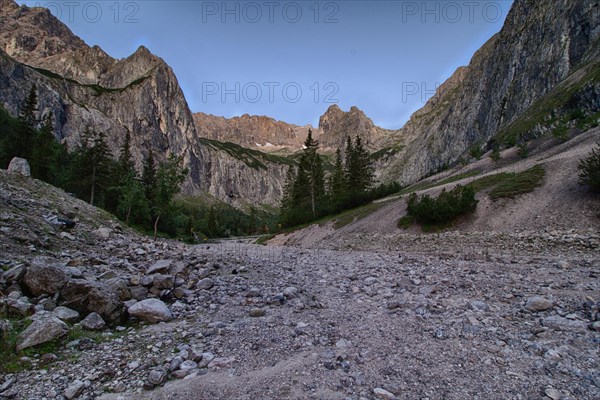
[(519, 183), (10, 357), (406, 222), (253, 158), (356, 214), (264, 239), (429, 185), (509, 185)]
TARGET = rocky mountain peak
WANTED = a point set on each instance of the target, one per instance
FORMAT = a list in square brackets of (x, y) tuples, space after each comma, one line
[(336, 125)]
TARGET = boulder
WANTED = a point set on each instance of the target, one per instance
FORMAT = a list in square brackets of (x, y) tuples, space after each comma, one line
[(41, 331), (19, 166), (160, 266), (103, 233), (537, 303), (150, 310), (65, 314), (87, 297), (42, 278), (93, 322), (161, 281), (119, 286)]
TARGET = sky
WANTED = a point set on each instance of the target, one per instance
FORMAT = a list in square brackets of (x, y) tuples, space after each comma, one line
[(291, 60)]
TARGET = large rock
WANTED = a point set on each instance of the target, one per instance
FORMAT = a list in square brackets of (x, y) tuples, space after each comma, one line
[(538, 303), (42, 331), (41, 278), (150, 310), (19, 166), (93, 322), (65, 314), (87, 297), (160, 266)]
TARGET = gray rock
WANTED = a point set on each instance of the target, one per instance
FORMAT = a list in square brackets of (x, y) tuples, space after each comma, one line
[(161, 281), (19, 166), (552, 393), (65, 314), (290, 292), (93, 322), (478, 305), (161, 266), (563, 324), (538, 303), (103, 233), (20, 306), (157, 376), (74, 390), (383, 394), (5, 327), (119, 286), (87, 297), (187, 365), (15, 274), (150, 310), (175, 363), (41, 331), (204, 284), (138, 292), (41, 278)]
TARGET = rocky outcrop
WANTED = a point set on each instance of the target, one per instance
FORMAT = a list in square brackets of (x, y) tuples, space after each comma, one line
[(336, 125), (242, 177), (253, 131), (541, 44)]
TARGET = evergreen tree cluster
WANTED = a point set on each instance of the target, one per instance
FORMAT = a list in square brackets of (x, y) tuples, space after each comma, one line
[(308, 195), (443, 208), (89, 171)]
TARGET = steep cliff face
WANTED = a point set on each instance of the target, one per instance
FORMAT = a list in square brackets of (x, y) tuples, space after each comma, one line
[(252, 131), (542, 43), (241, 177)]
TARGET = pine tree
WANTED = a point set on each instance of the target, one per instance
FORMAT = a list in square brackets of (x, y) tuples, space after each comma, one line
[(25, 132), (43, 151), (149, 178), (169, 177), (337, 184), (91, 168), (359, 169), (311, 179), (212, 222), (132, 199), (125, 162)]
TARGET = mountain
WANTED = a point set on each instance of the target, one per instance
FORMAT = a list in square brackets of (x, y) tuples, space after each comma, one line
[(252, 131), (84, 88), (336, 125), (542, 66)]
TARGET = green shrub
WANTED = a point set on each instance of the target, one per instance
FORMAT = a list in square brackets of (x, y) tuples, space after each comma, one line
[(496, 154), (406, 222), (476, 152), (523, 151), (589, 170), (444, 208)]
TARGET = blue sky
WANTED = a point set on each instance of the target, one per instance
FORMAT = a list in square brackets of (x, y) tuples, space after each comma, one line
[(292, 59)]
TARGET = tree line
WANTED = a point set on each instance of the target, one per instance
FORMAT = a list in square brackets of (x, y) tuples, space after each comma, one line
[(309, 195)]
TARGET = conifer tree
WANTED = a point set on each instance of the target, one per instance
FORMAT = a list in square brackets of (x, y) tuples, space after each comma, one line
[(169, 177), (337, 183), (43, 151)]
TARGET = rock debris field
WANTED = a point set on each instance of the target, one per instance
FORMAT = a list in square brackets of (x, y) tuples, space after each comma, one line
[(130, 318)]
